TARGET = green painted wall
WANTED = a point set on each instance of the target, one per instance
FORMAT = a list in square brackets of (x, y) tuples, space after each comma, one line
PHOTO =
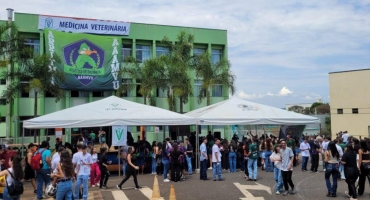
[(139, 34)]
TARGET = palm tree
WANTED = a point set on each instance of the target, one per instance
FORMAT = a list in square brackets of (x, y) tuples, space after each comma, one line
[(217, 73), (32, 73)]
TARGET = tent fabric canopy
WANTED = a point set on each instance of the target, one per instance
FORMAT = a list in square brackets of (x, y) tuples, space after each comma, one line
[(108, 112), (235, 111)]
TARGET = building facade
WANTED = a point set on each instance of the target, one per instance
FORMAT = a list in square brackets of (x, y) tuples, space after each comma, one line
[(350, 102), (143, 41)]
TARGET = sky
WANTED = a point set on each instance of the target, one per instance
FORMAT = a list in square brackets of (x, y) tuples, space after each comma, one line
[(281, 51)]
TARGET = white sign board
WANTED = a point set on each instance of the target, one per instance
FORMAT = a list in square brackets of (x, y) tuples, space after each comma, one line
[(119, 135), (81, 25)]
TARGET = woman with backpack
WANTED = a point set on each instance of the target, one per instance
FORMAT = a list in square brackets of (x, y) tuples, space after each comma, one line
[(14, 176), (65, 176), (364, 165), (131, 168), (332, 168)]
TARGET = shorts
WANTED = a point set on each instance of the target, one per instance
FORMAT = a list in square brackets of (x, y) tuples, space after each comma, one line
[(262, 154), (29, 174)]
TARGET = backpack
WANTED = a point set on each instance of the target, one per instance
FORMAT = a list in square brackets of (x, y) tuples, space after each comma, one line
[(102, 139), (16, 188), (36, 160)]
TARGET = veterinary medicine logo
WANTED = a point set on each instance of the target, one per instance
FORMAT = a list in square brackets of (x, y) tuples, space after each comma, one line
[(84, 60), (48, 22)]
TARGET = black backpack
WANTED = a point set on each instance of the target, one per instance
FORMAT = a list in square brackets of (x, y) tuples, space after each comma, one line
[(16, 188)]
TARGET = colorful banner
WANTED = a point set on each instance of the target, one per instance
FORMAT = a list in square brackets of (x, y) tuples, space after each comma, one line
[(80, 25), (119, 135), (90, 62)]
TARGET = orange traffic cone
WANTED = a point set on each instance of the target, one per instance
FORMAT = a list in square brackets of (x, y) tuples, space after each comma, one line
[(172, 193), (156, 194)]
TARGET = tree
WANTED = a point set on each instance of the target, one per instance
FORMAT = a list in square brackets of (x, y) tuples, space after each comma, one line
[(33, 72), (314, 105), (306, 111), (323, 109), (218, 73), (297, 109)]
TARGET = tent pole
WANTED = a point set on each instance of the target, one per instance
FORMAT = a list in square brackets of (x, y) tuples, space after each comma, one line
[(22, 141), (197, 164)]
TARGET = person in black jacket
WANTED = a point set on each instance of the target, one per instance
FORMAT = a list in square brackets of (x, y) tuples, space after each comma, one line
[(175, 163)]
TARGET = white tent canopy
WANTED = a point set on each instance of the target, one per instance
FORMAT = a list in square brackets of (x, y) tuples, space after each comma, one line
[(107, 112), (237, 111)]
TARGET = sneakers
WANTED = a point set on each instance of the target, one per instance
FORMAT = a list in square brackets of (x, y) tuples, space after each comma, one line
[(166, 180), (293, 191), (138, 188), (92, 185), (210, 168), (285, 193), (118, 187), (277, 192), (98, 184)]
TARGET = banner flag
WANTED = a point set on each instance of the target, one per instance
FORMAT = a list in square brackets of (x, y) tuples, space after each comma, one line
[(90, 62), (119, 135)]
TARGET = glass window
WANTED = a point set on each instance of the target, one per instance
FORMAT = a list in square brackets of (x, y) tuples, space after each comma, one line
[(2, 101), (217, 90), (162, 51), (199, 51), (128, 93), (138, 87), (126, 51), (197, 87), (340, 111), (142, 53), (34, 44), (216, 55), (161, 92), (355, 110), (2, 81)]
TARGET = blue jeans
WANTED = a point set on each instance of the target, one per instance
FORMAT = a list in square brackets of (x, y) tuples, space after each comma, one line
[(65, 190), (279, 179), (332, 169), (304, 162), (190, 167), (203, 169), (154, 165), (6, 195), (216, 170), (166, 165), (252, 168), (124, 166), (341, 170), (232, 161), (81, 179), (42, 177), (268, 163)]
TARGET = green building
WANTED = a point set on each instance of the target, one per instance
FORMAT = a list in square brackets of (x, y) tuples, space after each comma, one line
[(141, 41)]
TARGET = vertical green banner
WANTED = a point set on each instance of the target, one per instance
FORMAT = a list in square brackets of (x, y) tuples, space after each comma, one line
[(90, 62)]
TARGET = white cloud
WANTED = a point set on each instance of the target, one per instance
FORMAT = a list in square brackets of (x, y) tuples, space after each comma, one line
[(307, 97), (285, 92), (243, 95)]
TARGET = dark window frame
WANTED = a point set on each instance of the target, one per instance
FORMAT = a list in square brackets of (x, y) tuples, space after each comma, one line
[(355, 111), (340, 111)]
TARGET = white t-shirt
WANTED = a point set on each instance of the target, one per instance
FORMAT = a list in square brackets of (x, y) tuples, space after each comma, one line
[(325, 146), (84, 169), (306, 146), (345, 137), (276, 156), (75, 159), (54, 164), (216, 149), (94, 158), (9, 177)]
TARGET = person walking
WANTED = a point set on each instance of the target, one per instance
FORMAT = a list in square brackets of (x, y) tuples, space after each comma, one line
[(252, 160), (276, 158), (315, 155), (65, 176), (189, 156), (43, 173), (103, 166), (305, 149), (363, 162), (287, 158), (203, 160), (83, 165), (131, 168), (351, 171), (175, 154), (14, 172), (332, 168), (216, 161), (165, 159), (268, 163), (29, 173), (232, 156), (94, 171)]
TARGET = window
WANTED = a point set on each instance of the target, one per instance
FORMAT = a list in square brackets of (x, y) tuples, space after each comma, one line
[(161, 92), (98, 94), (34, 44), (340, 111), (27, 132), (126, 51), (197, 87), (2, 81), (142, 53), (216, 55), (2, 101), (127, 93), (354, 110), (75, 93), (217, 90), (199, 51), (138, 128), (162, 51), (138, 87), (2, 119)]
